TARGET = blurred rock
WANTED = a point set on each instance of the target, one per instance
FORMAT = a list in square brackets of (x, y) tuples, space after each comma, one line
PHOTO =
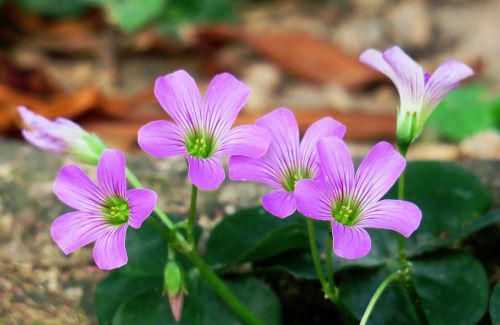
[(410, 24), (303, 95), (358, 33), (433, 151), (263, 80), (482, 145)]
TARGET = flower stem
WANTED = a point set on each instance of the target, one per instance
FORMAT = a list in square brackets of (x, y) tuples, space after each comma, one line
[(192, 215), (329, 267), (314, 253), (403, 260), (161, 214), (223, 291), (376, 296), (328, 286), (401, 240)]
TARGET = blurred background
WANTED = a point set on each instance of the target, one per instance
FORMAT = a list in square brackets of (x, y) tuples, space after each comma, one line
[(95, 61)]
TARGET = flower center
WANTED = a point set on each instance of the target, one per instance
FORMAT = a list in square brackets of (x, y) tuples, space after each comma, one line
[(293, 176), (346, 212), (116, 210), (200, 144)]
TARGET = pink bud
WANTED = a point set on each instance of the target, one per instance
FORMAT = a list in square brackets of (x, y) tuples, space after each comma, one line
[(176, 303)]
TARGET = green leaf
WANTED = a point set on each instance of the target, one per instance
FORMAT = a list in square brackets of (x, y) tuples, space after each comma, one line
[(131, 15), (453, 287), (201, 305), (196, 12), (251, 235), (55, 8), (495, 305), (453, 202), (297, 263), (146, 250), (118, 288), (464, 112)]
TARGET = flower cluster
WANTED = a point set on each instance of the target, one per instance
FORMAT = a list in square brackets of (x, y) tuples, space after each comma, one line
[(314, 175)]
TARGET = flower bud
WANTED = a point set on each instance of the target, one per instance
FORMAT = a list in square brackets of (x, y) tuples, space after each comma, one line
[(61, 136), (174, 287)]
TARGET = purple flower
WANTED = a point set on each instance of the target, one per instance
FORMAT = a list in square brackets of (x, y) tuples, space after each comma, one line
[(287, 161), (202, 130), (104, 211), (419, 92), (351, 201), (61, 136)]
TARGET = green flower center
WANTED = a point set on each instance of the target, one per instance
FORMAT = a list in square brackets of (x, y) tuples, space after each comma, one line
[(200, 144), (346, 212), (116, 211), (293, 176)]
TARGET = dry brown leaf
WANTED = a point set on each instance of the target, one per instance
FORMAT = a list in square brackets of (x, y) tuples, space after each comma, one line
[(69, 105), (311, 59)]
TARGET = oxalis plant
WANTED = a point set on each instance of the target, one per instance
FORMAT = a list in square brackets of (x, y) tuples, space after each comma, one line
[(320, 215)]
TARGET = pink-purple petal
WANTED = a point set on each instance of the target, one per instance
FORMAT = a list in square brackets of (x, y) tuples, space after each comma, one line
[(279, 203), (161, 139), (401, 216), (180, 97), (74, 188), (77, 229), (224, 99), (443, 80), (243, 168), (320, 129), (375, 59), (283, 152), (205, 173), (45, 142), (336, 165), (141, 202), (246, 140), (378, 172), (350, 242), (111, 173), (411, 77), (313, 199), (109, 249)]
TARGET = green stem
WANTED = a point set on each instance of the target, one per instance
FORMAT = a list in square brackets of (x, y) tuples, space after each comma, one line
[(329, 267), (328, 286), (192, 215), (315, 256), (161, 214), (401, 240), (403, 260), (376, 296), (223, 291)]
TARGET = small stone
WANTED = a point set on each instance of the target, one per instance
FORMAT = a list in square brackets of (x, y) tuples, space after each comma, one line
[(433, 151), (482, 145), (303, 95), (74, 293), (263, 79), (358, 33), (410, 24)]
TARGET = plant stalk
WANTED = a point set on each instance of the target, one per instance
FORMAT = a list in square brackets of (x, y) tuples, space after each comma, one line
[(376, 296), (223, 291), (192, 215), (403, 260), (159, 212)]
